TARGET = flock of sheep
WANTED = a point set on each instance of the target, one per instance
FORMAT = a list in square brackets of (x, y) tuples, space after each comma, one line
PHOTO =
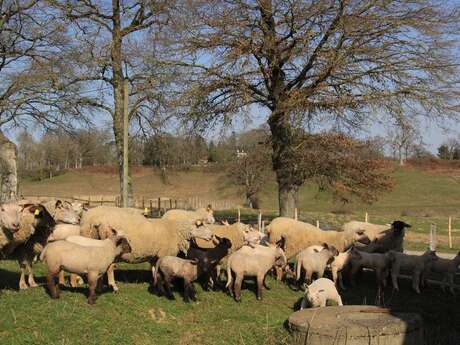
[(191, 246)]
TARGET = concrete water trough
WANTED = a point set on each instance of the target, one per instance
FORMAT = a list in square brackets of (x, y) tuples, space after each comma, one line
[(355, 325)]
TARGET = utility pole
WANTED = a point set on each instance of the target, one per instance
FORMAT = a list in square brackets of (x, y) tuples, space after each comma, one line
[(125, 143)]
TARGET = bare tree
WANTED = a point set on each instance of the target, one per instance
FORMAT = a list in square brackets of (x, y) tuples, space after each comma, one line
[(402, 136), (340, 60), (109, 47)]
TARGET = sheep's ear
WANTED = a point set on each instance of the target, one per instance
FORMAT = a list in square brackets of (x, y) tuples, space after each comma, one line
[(281, 243), (58, 204), (209, 208), (36, 210), (113, 231), (325, 245), (315, 250)]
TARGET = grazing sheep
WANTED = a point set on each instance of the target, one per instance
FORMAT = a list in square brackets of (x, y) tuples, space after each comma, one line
[(208, 259), (382, 237), (319, 292), (75, 258), (170, 267), (206, 215), (255, 262), (299, 235), (313, 261), (447, 267), (418, 265), (150, 239), (380, 263)]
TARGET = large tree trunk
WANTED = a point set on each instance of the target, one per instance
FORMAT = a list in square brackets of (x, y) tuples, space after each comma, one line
[(284, 160), (117, 83), (8, 170)]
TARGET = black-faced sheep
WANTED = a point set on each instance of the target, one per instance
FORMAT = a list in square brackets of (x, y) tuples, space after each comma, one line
[(379, 262)]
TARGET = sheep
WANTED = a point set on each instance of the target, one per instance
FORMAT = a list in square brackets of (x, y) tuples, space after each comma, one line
[(299, 235), (419, 265), (447, 267), (313, 261), (252, 237), (204, 214), (380, 263), (248, 261), (382, 237), (62, 231), (209, 258), (62, 212), (10, 223), (169, 267), (150, 238), (338, 265), (75, 258), (319, 292)]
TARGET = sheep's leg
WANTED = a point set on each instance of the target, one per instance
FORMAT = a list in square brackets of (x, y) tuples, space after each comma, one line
[(93, 278), (304, 303), (279, 273), (320, 274), (265, 283), (308, 275), (53, 288), (338, 299), (260, 283), (22, 279), (62, 278), (167, 286), (73, 280), (237, 288), (450, 281), (111, 277), (216, 284), (394, 279), (354, 270), (416, 281), (31, 279)]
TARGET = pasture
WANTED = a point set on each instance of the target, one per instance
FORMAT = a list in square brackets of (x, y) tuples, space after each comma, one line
[(136, 316)]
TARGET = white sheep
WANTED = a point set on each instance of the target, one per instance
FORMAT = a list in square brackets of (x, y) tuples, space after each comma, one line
[(255, 262), (448, 268), (62, 231), (204, 214), (75, 258), (418, 265), (298, 235), (10, 222), (319, 292), (337, 266), (314, 260), (150, 239)]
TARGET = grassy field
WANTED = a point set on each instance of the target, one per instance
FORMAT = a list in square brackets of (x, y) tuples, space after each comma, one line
[(136, 316)]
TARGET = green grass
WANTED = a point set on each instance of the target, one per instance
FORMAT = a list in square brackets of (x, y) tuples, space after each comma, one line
[(135, 316)]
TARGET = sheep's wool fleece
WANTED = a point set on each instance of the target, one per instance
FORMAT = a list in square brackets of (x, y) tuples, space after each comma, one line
[(371, 230), (8, 242), (234, 232), (299, 235), (184, 215), (148, 238)]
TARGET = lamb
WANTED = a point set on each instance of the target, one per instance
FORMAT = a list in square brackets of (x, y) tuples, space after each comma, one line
[(150, 239), (380, 263), (204, 214), (319, 292), (248, 261), (383, 237), (313, 261), (338, 265), (208, 259), (79, 259), (447, 267), (419, 265), (299, 235)]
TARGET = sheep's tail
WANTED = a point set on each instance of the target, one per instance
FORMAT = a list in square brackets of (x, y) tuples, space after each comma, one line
[(297, 269), (229, 275), (43, 254), (156, 272)]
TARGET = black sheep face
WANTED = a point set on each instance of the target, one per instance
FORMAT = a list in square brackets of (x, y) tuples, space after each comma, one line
[(398, 226)]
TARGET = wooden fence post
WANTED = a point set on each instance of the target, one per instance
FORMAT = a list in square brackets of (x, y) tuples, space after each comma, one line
[(239, 216), (295, 213), (151, 208), (259, 222), (102, 200), (143, 202), (450, 232), (366, 218), (433, 241), (263, 226), (317, 223), (170, 203), (159, 204)]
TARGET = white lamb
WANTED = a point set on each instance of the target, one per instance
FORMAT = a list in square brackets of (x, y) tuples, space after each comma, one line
[(319, 292), (312, 260)]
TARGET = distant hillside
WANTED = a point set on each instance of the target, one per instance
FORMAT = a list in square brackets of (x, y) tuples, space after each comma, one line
[(418, 191)]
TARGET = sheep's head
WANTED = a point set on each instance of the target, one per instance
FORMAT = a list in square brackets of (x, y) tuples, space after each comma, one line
[(10, 217), (42, 218), (121, 241), (201, 232), (430, 255), (312, 298), (398, 227), (223, 242), (64, 213), (361, 237)]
